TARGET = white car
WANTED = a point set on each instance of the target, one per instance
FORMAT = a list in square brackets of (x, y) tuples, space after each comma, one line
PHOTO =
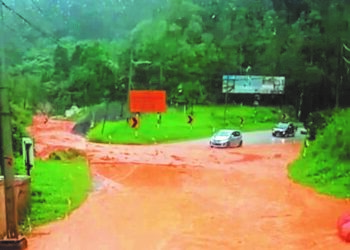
[(226, 138)]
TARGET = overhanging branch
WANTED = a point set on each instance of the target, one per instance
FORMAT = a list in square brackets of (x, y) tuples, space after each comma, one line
[(346, 60), (346, 47)]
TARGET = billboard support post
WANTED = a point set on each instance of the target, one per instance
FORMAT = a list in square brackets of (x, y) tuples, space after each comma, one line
[(226, 98)]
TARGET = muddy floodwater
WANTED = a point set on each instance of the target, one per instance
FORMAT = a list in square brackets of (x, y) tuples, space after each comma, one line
[(187, 196)]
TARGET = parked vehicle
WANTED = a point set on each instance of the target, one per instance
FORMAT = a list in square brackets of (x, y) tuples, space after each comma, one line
[(303, 131), (226, 138), (284, 129)]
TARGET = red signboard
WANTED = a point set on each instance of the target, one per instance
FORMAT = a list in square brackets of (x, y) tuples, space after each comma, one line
[(147, 101)]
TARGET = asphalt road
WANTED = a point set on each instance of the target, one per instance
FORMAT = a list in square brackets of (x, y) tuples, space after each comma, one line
[(265, 137), (261, 137)]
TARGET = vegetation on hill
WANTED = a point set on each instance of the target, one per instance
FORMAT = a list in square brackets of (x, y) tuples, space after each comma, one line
[(21, 119), (187, 44), (325, 163)]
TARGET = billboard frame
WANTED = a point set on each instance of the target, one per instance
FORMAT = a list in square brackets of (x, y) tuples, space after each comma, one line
[(253, 84)]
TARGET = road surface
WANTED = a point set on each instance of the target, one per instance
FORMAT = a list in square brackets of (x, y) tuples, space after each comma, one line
[(260, 137), (188, 196)]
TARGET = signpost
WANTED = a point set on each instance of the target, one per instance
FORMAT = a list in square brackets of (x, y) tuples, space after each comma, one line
[(159, 119), (28, 153), (190, 119), (134, 122), (147, 101)]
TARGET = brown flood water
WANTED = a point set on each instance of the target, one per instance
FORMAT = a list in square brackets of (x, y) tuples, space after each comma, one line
[(186, 197)]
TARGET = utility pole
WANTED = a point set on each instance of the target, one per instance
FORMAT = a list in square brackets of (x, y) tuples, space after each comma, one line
[(12, 240), (131, 69), (227, 91), (131, 72), (6, 153)]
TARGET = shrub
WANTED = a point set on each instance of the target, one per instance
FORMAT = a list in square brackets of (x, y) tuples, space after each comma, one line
[(21, 118), (317, 121), (326, 165)]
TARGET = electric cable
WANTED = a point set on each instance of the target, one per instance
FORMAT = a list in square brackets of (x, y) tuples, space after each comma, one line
[(38, 8), (44, 33)]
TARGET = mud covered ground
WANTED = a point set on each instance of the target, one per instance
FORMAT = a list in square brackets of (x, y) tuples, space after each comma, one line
[(187, 196)]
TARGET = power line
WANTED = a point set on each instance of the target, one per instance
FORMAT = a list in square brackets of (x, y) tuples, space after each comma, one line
[(37, 7), (40, 10), (20, 36), (29, 23)]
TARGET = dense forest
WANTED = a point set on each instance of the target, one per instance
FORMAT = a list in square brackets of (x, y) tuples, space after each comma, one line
[(57, 53)]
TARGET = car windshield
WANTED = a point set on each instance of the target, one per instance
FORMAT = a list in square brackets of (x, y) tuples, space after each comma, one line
[(223, 133), (282, 125)]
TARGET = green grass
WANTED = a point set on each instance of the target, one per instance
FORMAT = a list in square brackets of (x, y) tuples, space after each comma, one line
[(325, 165), (58, 187), (174, 126)]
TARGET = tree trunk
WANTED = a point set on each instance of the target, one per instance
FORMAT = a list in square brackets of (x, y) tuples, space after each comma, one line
[(161, 75), (337, 91), (300, 104), (121, 109), (104, 118)]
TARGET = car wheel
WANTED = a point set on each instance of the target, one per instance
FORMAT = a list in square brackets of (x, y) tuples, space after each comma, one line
[(240, 144)]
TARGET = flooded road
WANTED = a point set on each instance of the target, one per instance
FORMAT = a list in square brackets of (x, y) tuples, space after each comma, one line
[(188, 196)]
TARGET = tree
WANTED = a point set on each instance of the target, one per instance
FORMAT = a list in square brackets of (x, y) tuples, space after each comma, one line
[(25, 78)]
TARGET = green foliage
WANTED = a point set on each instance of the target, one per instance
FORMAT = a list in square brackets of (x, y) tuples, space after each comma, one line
[(94, 77), (174, 126), (317, 121), (62, 65), (83, 74), (188, 42), (190, 93), (335, 137), (58, 187), (25, 79), (20, 120), (325, 164)]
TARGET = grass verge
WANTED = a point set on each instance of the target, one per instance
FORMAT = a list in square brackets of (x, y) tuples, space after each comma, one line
[(325, 164), (174, 124), (57, 188)]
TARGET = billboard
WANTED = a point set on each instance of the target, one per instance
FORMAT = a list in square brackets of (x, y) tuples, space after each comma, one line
[(147, 101), (245, 84)]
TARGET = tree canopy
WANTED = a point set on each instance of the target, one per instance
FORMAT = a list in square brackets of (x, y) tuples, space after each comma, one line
[(86, 52)]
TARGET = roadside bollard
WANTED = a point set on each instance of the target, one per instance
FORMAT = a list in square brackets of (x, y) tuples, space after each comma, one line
[(343, 226)]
